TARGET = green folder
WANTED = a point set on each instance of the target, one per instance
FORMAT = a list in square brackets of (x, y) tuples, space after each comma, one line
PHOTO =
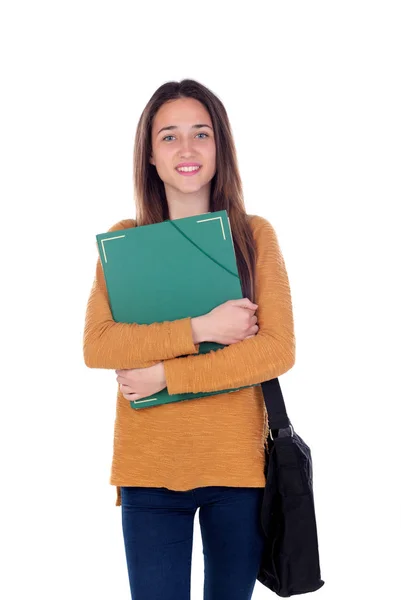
[(171, 270)]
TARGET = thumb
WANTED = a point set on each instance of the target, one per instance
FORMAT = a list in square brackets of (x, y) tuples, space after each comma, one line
[(244, 302)]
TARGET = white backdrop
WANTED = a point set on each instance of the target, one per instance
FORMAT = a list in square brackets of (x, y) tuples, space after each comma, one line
[(312, 90)]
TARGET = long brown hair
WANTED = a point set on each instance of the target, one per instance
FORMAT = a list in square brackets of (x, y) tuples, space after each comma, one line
[(226, 186)]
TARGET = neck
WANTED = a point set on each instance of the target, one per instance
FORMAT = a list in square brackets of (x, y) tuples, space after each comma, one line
[(181, 205)]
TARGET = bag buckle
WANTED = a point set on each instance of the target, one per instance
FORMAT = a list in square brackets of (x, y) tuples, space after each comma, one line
[(283, 432)]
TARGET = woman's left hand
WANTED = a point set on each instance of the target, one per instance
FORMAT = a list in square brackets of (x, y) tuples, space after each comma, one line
[(140, 383)]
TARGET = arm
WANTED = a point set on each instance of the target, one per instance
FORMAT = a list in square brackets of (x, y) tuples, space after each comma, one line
[(270, 353), (108, 344)]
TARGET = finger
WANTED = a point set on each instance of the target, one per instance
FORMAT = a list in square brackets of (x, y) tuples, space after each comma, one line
[(126, 389), (131, 397), (124, 380)]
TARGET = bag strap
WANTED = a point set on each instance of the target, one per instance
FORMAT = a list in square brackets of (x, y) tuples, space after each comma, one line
[(275, 407)]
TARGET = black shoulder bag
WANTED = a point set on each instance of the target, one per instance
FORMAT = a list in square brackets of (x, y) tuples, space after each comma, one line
[(290, 563)]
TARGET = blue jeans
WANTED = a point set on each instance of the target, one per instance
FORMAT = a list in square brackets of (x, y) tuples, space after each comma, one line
[(158, 533)]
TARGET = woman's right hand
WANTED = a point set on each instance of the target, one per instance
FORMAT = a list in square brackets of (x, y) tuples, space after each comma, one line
[(230, 322)]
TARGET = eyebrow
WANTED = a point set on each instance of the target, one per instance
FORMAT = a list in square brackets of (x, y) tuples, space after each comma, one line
[(197, 126)]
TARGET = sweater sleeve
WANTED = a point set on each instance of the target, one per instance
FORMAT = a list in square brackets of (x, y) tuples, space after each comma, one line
[(108, 344), (268, 354)]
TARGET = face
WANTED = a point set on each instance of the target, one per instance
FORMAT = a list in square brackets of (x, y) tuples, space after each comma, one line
[(183, 142)]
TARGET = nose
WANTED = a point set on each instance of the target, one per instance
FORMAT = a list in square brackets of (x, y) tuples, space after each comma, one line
[(186, 146)]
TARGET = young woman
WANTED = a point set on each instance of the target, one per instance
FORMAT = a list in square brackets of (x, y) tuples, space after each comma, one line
[(207, 453)]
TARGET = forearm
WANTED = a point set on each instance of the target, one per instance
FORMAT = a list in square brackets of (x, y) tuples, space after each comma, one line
[(248, 362), (132, 346)]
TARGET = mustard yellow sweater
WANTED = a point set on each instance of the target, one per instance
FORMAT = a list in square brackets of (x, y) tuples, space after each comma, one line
[(215, 440)]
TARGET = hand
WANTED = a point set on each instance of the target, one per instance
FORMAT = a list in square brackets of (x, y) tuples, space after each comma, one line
[(140, 383), (231, 322)]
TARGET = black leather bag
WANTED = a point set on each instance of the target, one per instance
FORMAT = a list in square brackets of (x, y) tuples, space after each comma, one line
[(290, 562)]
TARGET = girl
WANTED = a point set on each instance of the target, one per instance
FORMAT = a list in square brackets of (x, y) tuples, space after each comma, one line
[(206, 453)]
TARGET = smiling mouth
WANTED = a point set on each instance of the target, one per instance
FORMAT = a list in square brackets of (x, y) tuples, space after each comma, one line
[(188, 171)]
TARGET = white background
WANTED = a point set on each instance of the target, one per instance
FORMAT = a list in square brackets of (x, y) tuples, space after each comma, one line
[(312, 90)]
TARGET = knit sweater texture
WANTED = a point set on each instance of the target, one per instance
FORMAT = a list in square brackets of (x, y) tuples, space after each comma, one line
[(216, 440)]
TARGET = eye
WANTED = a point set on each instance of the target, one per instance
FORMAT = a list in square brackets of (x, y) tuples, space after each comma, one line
[(201, 133)]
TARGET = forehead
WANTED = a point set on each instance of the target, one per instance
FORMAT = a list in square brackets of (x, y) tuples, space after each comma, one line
[(184, 111)]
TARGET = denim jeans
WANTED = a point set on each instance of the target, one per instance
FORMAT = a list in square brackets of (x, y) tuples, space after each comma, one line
[(157, 528)]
